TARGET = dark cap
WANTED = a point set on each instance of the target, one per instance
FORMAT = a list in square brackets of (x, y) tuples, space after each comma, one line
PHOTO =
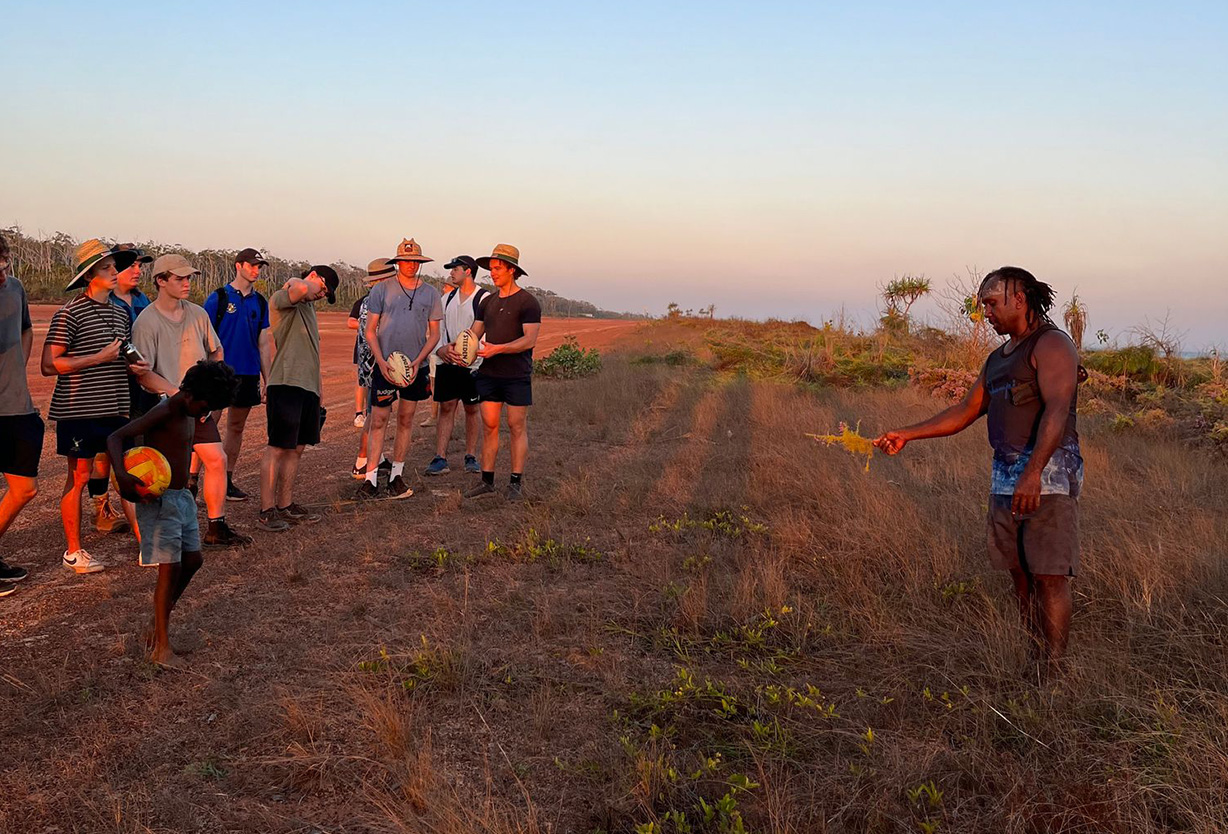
[(250, 256), (329, 276), (127, 254), (465, 261)]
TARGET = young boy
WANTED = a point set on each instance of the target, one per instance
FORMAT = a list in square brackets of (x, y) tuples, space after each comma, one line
[(170, 534)]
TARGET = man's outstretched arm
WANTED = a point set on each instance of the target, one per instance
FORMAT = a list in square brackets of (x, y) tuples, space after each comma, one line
[(950, 421)]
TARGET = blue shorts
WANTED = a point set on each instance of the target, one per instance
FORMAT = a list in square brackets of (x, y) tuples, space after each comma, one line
[(168, 528)]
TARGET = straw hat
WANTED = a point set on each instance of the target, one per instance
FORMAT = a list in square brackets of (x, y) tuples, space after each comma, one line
[(410, 251), (508, 254), (378, 270), (88, 254)]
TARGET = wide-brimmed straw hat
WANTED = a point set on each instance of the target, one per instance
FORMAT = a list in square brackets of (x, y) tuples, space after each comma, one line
[(88, 254), (507, 253), (409, 250), (379, 269)]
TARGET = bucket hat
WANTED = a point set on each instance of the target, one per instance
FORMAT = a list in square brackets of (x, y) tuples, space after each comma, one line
[(88, 254)]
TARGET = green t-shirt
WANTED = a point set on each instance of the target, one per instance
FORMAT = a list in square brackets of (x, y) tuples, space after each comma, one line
[(297, 338)]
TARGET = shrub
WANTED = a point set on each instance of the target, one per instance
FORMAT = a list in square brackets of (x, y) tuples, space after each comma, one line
[(569, 361)]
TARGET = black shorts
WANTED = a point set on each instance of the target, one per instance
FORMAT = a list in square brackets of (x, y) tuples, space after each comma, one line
[(452, 382), (510, 390), (248, 395), (85, 438), (294, 416), (205, 431), (21, 444), (384, 393)]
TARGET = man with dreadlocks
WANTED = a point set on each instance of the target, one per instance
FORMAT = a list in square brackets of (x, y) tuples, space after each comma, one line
[(1028, 388)]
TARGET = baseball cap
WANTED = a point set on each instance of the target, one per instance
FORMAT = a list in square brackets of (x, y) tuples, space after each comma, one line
[(250, 256), (329, 276), (465, 261), (175, 265)]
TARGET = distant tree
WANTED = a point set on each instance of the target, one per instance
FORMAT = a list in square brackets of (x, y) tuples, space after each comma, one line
[(1075, 316), (901, 293), (673, 311)]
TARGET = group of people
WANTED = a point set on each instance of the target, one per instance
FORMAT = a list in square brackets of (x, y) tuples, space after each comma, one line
[(129, 370), (160, 373)]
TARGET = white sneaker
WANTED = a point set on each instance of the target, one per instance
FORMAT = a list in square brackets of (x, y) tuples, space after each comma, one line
[(360, 420), (80, 561)]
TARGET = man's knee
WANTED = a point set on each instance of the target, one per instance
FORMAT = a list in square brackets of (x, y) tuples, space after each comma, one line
[(211, 454), (22, 490)]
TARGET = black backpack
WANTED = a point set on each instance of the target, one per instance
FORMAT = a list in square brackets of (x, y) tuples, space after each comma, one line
[(223, 301)]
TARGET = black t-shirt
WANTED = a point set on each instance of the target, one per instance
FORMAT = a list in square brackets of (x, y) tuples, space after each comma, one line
[(504, 319)]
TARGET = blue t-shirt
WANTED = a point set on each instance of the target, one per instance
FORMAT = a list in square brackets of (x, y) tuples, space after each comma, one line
[(239, 332), (139, 302)]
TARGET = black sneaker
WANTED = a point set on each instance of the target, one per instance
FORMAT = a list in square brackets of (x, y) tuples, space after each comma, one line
[(297, 514), (8, 573), (482, 490), (397, 488), (221, 535), (7, 589), (471, 465), (515, 492), (367, 490), (270, 521), (233, 493)]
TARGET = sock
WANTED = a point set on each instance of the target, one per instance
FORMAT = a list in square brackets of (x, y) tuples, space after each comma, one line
[(214, 522), (360, 464), (516, 476), (397, 469), (373, 477), (488, 478)]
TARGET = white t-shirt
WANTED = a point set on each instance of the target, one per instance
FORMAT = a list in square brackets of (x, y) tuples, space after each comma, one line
[(458, 316)]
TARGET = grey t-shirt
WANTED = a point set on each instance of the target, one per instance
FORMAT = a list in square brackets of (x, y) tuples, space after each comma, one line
[(403, 315), (14, 319)]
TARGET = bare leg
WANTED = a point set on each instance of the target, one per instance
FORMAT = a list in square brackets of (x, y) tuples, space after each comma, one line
[(21, 491), (518, 426), (443, 428), (164, 601), (268, 475), (70, 500), (1054, 605), (287, 473), (490, 440), (375, 431), (232, 440), (405, 430), (194, 466), (359, 399), (214, 460), (472, 418)]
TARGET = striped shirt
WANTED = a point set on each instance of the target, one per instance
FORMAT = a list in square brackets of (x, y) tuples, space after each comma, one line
[(85, 326)]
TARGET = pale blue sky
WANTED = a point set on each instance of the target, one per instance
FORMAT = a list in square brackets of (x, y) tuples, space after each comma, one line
[(774, 159)]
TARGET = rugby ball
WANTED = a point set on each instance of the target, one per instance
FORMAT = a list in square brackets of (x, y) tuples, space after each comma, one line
[(466, 347), (402, 369), (151, 469)]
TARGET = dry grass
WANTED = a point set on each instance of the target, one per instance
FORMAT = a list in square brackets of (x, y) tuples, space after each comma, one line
[(703, 608)]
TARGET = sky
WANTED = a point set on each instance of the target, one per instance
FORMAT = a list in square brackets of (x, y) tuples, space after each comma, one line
[(774, 159)]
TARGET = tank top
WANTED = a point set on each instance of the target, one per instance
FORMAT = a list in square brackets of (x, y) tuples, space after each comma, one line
[(1015, 408)]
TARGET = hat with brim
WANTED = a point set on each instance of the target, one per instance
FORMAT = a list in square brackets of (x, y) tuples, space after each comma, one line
[(87, 256), (507, 253), (462, 260), (409, 250), (378, 270), (127, 254)]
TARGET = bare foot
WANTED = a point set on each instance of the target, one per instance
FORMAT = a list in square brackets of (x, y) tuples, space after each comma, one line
[(163, 656)]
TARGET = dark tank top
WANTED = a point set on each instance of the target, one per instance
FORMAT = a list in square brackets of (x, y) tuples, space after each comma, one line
[(1015, 404)]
